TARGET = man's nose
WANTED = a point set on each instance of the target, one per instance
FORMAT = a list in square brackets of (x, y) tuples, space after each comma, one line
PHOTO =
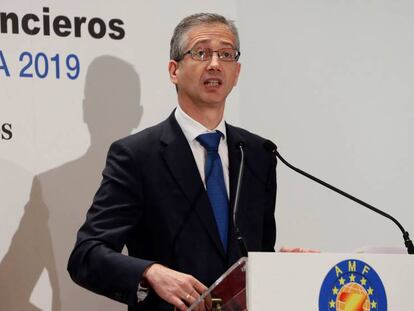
[(214, 62)]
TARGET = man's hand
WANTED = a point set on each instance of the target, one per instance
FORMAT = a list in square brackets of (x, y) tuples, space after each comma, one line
[(284, 249), (178, 289)]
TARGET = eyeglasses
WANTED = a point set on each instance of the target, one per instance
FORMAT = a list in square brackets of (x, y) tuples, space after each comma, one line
[(226, 54)]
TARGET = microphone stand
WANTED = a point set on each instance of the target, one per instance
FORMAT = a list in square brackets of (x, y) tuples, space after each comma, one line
[(407, 241), (239, 238)]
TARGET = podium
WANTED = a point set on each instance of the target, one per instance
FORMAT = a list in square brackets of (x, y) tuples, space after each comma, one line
[(300, 281)]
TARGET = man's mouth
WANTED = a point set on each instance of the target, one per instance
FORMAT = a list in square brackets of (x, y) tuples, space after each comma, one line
[(213, 82)]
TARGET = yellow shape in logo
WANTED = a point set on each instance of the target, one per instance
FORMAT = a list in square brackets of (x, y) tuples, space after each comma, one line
[(355, 302), (353, 297)]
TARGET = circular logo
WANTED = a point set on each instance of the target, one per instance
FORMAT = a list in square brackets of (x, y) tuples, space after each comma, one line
[(352, 285)]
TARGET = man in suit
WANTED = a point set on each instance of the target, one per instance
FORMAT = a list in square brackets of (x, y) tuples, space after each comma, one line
[(168, 196)]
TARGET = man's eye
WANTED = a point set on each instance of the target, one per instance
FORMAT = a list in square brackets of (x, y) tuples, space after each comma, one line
[(200, 53), (227, 54)]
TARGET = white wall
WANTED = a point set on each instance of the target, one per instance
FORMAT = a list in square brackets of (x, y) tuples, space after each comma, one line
[(330, 82)]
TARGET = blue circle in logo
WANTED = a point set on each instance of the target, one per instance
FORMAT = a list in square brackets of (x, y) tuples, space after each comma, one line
[(352, 285)]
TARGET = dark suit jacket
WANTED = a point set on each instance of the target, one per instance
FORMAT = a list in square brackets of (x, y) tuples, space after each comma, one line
[(153, 200)]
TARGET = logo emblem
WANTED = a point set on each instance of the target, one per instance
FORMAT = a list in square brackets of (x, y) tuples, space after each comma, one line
[(352, 285)]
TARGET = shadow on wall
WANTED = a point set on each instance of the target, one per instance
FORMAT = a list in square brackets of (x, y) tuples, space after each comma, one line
[(60, 197)]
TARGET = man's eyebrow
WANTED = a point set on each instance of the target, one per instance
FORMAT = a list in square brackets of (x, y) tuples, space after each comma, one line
[(208, 40)]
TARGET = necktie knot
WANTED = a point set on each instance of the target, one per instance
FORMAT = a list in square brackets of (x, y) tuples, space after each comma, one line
[(210, 141)]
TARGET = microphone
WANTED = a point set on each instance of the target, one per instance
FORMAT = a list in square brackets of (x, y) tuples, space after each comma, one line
[(239, 238), (408, 243)]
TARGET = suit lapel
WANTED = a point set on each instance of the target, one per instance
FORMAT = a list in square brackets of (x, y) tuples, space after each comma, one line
[(180, 161)]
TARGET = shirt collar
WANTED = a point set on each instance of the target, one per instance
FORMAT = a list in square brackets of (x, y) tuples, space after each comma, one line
[(191, 128)]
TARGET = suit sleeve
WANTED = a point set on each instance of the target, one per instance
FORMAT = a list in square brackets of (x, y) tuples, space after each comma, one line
[(96, 262)]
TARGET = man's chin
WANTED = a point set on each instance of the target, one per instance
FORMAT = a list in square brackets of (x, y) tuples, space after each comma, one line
[(214, 100)]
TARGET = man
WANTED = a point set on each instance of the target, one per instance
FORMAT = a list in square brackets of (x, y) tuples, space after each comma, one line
[(168, 196)]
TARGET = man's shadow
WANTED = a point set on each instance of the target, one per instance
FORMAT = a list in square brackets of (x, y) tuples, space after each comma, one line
[(61, 196)]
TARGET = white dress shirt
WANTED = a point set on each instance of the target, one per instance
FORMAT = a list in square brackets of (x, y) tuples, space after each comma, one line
[(191, 129)]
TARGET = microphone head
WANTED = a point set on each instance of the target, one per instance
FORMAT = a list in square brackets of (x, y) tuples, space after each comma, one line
[(270, 146)]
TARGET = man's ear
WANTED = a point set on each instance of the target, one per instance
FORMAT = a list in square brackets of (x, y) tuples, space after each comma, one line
[(237, 73), (172, 69)]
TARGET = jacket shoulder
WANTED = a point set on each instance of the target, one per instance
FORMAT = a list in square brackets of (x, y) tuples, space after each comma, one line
[(246, 136)]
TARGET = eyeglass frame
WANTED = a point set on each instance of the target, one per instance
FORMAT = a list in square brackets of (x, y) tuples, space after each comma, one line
[(236, 59)]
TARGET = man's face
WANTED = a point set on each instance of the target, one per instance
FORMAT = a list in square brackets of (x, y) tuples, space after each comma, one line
[(205, 83)]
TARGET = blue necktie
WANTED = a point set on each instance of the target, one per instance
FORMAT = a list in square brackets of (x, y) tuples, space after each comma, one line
[(216, 188)]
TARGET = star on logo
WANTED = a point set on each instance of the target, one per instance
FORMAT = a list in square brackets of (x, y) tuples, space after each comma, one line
[(363, 281), (331, 304), (352, 278), (370, 290), (373, 304), (335, 291), (342, 281)]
